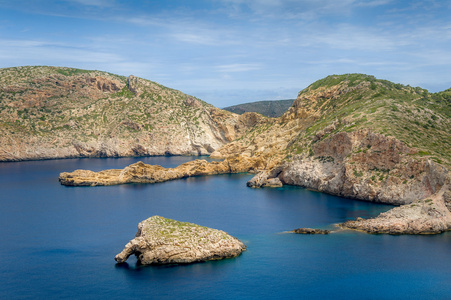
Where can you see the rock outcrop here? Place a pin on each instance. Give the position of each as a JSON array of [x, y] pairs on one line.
[[311, 231], [361, 165], [165, 241], [425, 216], [143, 173], [368, 166]]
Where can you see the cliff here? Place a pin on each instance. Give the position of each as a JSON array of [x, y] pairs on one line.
[[49, 112], [354, 136], [165, 241], [367, 139]]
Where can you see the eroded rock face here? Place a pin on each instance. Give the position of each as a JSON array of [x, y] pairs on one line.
[[425, 216], [368, 166], [165, 241], [361, 165], [143, 173]]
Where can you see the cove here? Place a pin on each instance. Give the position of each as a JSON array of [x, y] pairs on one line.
[[60, 242]]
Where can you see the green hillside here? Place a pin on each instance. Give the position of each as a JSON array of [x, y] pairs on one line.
[[355, 101]]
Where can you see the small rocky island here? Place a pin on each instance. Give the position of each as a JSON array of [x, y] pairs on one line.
[[165, 241], [311, 231]]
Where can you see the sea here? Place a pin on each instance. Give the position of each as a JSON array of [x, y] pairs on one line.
[[59, 242]]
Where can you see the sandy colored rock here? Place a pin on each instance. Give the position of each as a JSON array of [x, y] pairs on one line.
[[426, 216], [143, 173], [165, 241]]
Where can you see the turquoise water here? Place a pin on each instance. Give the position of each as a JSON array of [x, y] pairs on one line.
[[60, 242]]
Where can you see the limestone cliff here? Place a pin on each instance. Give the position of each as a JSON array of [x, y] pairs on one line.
[[49, 112], [366, 139], [350, 135], [423, 216], [165, 241]]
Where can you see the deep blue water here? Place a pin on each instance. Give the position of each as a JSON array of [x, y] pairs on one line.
[[60, 242]]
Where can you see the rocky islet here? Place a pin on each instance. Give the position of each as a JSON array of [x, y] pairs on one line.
[[165, 241]]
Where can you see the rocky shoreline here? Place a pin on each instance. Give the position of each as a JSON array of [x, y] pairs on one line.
[[143, 173], [420, 216], [348, 135]]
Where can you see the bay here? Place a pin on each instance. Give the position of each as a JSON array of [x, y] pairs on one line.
[[59, 242]]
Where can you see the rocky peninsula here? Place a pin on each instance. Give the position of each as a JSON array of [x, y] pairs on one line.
[[349, 135], [143, 173], [165, 241]]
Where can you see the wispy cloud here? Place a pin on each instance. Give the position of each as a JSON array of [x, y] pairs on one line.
[[238, 68], [196, 39], [98, 3], [233, 44], [42, 52], [373, 3], [350, 37]]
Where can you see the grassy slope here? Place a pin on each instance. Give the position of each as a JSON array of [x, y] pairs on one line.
[[66, 106], [412, 115]]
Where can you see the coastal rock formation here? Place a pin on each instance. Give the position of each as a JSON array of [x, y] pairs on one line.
[[349, 135], [143, 173], [368, 166], [426, 216], [362, 165], [311, 231], [165, 241], [49, 112]]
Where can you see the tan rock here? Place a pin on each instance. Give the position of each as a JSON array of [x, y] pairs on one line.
[[165, 241], [142, 173]]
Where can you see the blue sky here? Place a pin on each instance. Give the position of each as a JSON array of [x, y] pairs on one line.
[[233, 51]]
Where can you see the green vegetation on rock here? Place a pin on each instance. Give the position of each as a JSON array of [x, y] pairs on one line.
[[51, 112], [355, 101]]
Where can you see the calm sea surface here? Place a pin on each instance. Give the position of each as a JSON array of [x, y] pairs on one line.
[[59, 242]]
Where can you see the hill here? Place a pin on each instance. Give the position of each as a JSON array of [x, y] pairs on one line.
[[50, 112], [364, 138], [352, 102], [349, 135], [269, 108]]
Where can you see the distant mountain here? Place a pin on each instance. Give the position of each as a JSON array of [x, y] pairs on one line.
[[270, 108]]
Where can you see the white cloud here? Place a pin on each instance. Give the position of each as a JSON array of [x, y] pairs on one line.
[[42, 52], [195, 38], [238, 68], [373, 3], [98, 3]]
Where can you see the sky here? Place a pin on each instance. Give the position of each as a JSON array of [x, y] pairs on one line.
[[227, 52]]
